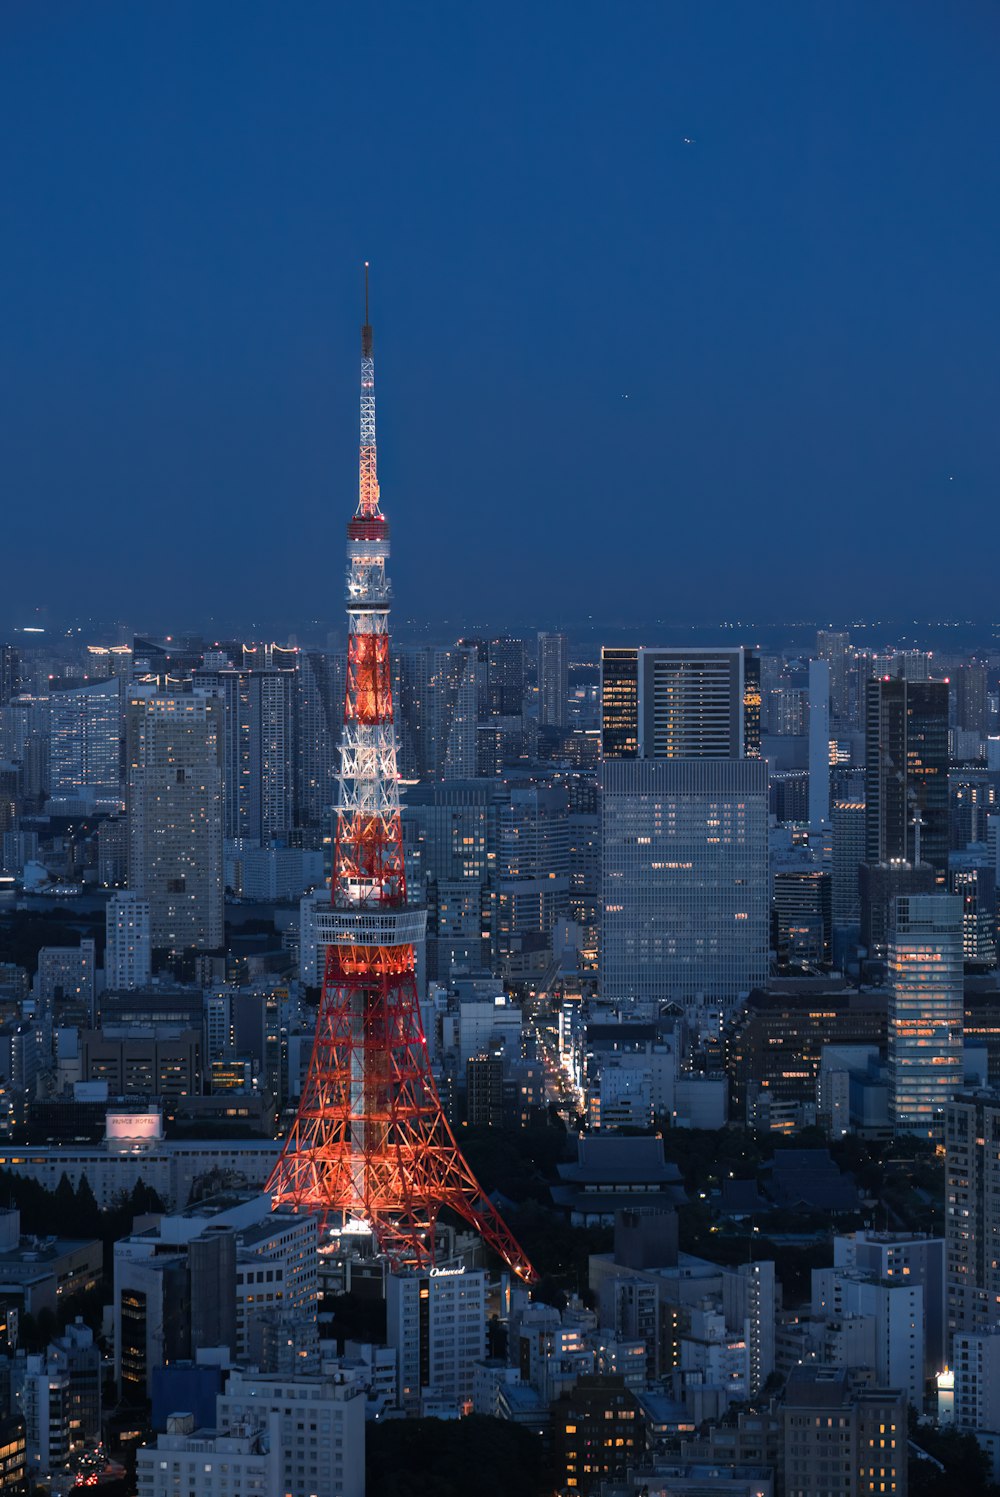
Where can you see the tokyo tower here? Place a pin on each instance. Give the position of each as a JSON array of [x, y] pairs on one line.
[[370, 1142]]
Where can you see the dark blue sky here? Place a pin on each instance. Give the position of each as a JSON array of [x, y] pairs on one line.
[[801, 307]]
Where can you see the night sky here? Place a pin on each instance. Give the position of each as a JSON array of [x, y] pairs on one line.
[[683, 311]]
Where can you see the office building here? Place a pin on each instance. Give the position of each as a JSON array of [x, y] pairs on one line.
[[684, 827], [685, 878], [436, 1323], [85, 749], [553, 680], [449, 833], [174, 747], [906, 773], [318, 713], [680, 703], [976, 886], [833, 646], [10, 673], [246, 1463], [532, 867], [128, 952], [842, 1438], [972, 1211], [925, 1011], [848, 854], [971, 699], [321, 1429], [436, 710], [803, 917]]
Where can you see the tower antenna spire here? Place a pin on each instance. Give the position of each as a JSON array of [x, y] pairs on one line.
[[366, 331]]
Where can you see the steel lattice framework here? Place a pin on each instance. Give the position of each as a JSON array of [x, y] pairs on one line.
[[370, 1141]]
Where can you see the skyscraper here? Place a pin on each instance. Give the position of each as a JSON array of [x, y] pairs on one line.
[[848, 854], [684, 827], [970, 698], [318, 718], [257, 739], [925, 1011], [437, 712], [174, 753], [906, 773], [819, 745], [553, 680], [832, 645], [10, 673], [86, 729]]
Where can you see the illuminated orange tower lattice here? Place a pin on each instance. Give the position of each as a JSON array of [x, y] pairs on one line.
[[370, 1141]]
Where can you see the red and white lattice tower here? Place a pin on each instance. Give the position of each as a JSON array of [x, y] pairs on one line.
[[370, 1142]]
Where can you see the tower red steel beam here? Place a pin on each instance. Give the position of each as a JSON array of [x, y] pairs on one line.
[[370, 1141]]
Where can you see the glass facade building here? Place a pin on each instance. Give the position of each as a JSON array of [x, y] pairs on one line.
[[925, 1011]]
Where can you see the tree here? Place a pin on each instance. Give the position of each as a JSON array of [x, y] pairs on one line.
[[452, 1458]]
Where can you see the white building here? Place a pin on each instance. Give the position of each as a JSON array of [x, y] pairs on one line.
[[277, 1268], [44, 1399], [128, 956], [976, 1365], [896, 1313], [245, 1463], [436, 1322], [321, 1429], [135, 1150], [903, 1257]]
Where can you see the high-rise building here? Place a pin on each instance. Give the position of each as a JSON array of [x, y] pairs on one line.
[[318, 719], [819, 745], [449, 833], [680, 703], [848, 855], [257, 751], [174, 752], [553, 680], [906, 773], [436, 1322], [532, 889], [972, 1211], [803, 917], [976, 886], [86, 729], [925, 1011], [437, 712], [684, 827], [128, 952], [10, 673], [970, 699], [833, 645], [685, 879]]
